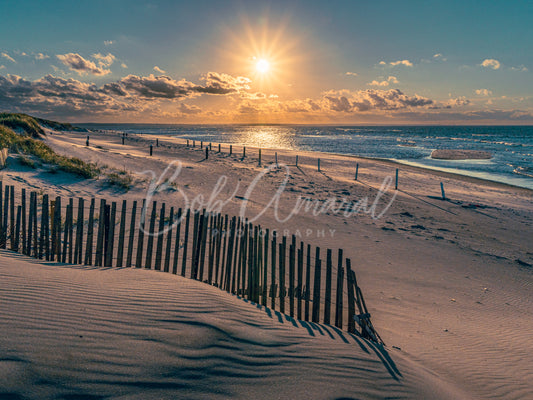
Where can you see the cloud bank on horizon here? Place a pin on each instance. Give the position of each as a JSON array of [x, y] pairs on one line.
[[165, 64]]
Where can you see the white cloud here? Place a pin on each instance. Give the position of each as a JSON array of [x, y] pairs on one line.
[[2, 66], [7, 56], [389, 80], [491, 63], [382, 63], [161, 71], [483, 92], [521, 68], [351, 73], [41, 56], [108, 42], [79, 64], [123, 65], [439, 56], [104, 61], [407, 63]]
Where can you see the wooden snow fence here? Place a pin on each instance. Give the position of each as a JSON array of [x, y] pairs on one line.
[[258, 264]]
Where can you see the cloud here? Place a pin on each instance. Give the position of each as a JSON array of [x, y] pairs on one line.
[[520, 68], [382, 63], [483, 92], [491, 63], [8, 57], [371, 100], [407, 63], [439, 56], [389, 80], [351, 73], [157, 69], [79, 64], [41, 56], [185, 109], [123, 65], [104, 61], [2, 66], [108, 42], [220, 83]]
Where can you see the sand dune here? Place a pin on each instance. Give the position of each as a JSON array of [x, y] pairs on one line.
[[87, 333]]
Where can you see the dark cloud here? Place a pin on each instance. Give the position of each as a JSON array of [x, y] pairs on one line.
[[217, 83], [79, 64], [369, 100], [162, 87]]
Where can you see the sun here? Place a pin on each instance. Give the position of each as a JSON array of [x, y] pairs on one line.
[[262, 66]]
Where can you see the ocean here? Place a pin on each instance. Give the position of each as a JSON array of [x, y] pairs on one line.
[[511, 146]]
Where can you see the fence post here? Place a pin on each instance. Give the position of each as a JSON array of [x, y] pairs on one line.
[[23, 221], [185, 241], [318, 162], [327, 296], [266, 239], [442, 191], [160, 237], [296, 159], [78, 248], [151, 149], [100, 234], [17, 229], [351, 297], [300, 262], [316, 287], [226, 275], [121, 234], [230, 149], [307, 282], [44, 238], [166, 267], [259, 157], [151, 232], [282, 290], [273, 272], [356, 170], [177, 242], [219, 147], [70, 230], [12, 217], [339, 293], [6, 214], [204, 242], [140, 238], [90, 234], [292, 250], [131, 238], [2, 226], [29, 237], [396, 184]]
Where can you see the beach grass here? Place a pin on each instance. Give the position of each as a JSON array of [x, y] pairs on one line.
[[28, 145]]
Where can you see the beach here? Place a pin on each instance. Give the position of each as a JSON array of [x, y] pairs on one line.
[[447, 281]]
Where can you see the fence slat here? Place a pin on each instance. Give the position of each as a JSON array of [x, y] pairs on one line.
[[273, 258], [168, 248], [121, 234], [151, 233], [23, 231], [111, 234], [78, 249], [100, 234], [316, 287], [160, 237], [90, 234], [131, 237], [299, 292], [70, 230], [185, 242], [351, 297], [340, 289], [140, 236], [327, 295]]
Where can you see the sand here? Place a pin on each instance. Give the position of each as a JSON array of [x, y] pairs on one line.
[[455, 154], [448, 282]]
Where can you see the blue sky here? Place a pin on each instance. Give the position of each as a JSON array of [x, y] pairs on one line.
[[329, 62]]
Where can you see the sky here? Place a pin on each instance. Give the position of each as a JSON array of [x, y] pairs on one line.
[[289, 62]]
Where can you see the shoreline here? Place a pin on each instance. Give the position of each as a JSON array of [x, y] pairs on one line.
[[462, 175]]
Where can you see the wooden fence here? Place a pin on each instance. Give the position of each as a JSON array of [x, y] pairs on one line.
[[279, 272]]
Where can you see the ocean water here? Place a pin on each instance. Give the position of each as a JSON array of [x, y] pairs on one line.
[[511, 146]]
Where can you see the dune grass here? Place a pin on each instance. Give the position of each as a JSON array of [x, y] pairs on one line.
[[23, 123], [30, 146]]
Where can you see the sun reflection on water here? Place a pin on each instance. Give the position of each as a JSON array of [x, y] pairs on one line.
[[279, 137]]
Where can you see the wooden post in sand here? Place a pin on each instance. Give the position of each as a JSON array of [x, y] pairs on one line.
[[259, 157], [351, 297], [177, 242], [219, 147], [151, 149], [327, 296], [292, 269], [356, 170], [140, 238], [151, 233], [1, 215], [90, 234], [160, 237], [442, 191], [78, 248], [243, 152], [187, 142], [194, 143], [185, 242], [5, 218], [282, 290], [34, 222], [156, 142], [201, 145], [12, 215], [100, 235], [307, 282], [273, 273], [318, 162], [339, 292], [296, 159], [17, 230], [396, 184], [207, 153], [44, 239], [316, 287], [121, 234], [131, 238], [276, 159], [27, 249], [87, 141], [166, 266], [22, 243], [299, 292], [265, 268]]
